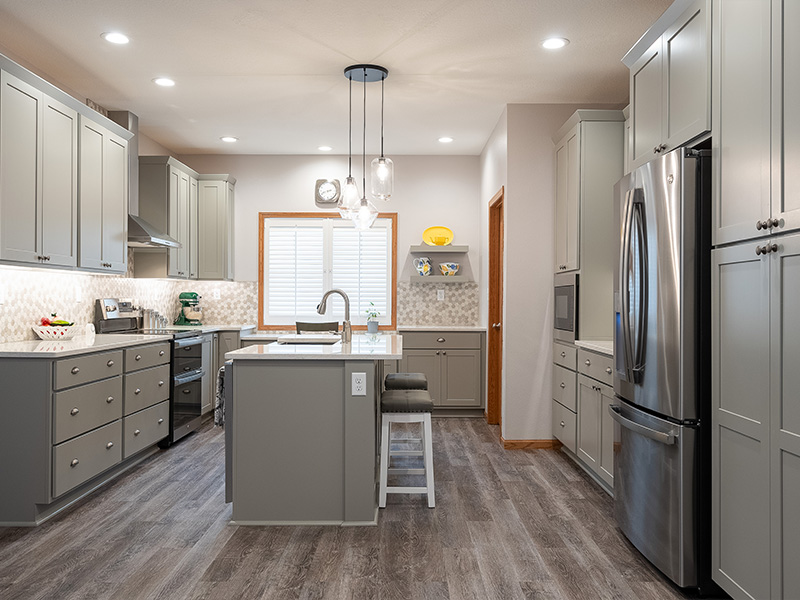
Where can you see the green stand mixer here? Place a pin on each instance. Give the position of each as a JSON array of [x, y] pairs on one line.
[[190, 313]]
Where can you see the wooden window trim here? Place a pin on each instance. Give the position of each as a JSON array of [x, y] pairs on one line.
[[320, 215]]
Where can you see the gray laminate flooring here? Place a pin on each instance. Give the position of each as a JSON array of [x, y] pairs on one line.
[[507, 525]]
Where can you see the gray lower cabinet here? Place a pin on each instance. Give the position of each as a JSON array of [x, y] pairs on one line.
[[565, 395], [453, 362], [66, 423], [209, 374], [756, 418]]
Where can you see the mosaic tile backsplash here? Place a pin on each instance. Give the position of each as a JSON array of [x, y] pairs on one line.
[[26, 295]]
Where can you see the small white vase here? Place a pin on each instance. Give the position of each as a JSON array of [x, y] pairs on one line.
[[372, 327]]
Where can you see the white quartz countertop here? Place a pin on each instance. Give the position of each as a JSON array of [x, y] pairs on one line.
[[602, 346], [210, 328], [363, 347], [442, 328], [80, 344]]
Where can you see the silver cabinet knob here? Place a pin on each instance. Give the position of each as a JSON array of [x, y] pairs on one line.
[[110, 399], [160, 421], [444, 352], [440, 340], [110, 363], [75, 370], [137, 391], [563, 355], [136, 432], [437, 353], [774, 222], [138, 357], [761, 225], [759, 250], [188, 391], [608, 370], [160, 383], [74, 462], [563, 385], [109, 445], [588, 363], [161, 353], [772, 248], [74, 411], [563, 424]]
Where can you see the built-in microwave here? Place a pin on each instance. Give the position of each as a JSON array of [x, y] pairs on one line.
[[565, 313]]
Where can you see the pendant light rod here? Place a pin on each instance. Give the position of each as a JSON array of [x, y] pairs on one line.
[[364, 139], [350, 133], [382, 80]]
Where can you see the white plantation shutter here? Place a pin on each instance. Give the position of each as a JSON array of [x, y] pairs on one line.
[[305, 257]]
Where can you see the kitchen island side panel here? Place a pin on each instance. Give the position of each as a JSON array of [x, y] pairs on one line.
[[289, 441], [360, 442]]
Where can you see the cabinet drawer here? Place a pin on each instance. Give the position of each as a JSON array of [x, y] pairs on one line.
[[81, 409], [596, 366], [83, 369], [145, 428], [442, 339], [564, 387], [564, 425], [144, 357], [145, 388], [564, 355], [82, 458]]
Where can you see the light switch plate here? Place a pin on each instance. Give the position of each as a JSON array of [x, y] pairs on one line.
[[215, 294]]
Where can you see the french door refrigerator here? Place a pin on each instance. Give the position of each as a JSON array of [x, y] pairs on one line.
[[662, 493]]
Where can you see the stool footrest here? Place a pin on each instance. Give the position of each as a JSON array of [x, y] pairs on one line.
[[406, 453], [406, 490], [399, 471]]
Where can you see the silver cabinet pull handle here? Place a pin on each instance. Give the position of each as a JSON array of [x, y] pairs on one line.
[[74, 462], [437, 353], [775, 223], [563, 385], [138, 357], [74, 411], [136, 432], [440, 340], [608, 370], [109, 445], [110, 363], [759, 250], [137, 391], [110, 399], [75, 370], [160, 421]]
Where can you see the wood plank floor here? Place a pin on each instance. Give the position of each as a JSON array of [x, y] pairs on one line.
[[519, 524]]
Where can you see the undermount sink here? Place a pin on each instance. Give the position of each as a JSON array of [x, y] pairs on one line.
[[309, 338]]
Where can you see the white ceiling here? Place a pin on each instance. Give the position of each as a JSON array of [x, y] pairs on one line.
[[270, 72]]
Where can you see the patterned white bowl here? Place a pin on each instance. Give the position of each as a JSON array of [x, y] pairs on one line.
[[55, 332]]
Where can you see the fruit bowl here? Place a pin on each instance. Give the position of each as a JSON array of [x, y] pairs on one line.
[[55, 332]]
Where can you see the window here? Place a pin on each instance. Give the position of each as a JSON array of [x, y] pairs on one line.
[[302, 255]]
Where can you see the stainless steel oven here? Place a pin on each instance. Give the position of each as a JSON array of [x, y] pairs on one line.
[[565, 307], [187, 375]]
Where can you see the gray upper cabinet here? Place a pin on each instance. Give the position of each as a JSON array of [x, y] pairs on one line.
[[215, 226], [670, 85], [103, 201], [168, 198], [567, 201], [38, 176], [756, 130]]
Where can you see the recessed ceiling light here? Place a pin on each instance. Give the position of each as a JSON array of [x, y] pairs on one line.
[[324, 148], [164, 81], [555, 43], [445, 139], [116, 37], [229, 138]]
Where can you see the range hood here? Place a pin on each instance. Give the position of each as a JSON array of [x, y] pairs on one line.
[[142, 234]]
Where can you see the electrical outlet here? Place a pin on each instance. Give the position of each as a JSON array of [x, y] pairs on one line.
[[359, 384], [440, 295], [215, 294]]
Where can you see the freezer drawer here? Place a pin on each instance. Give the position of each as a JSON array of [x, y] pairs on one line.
[[655, 491]]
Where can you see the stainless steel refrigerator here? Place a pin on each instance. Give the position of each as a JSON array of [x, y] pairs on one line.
[[662, 357]]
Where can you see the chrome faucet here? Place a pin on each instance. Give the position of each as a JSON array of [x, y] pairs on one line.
[[347, 334]]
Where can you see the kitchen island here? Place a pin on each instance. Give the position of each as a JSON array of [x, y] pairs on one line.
[[301, 429]]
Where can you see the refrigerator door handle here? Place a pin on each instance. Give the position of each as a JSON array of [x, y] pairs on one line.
[[659, 436], [641, 315], [624, 266]]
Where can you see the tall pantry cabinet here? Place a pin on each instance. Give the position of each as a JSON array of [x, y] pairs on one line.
[[755, 291]]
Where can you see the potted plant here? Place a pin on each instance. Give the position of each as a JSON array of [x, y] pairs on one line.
[[372, 318]]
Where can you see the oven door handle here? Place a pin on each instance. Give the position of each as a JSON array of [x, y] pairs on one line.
[[193, 341], [189, 377]]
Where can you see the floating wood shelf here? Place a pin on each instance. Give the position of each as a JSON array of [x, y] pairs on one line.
[[425, 249]]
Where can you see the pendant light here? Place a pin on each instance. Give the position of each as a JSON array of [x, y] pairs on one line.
[[363, 213], [382, 168], [348, 200]]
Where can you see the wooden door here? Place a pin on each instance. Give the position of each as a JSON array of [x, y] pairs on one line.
[[494, 379]]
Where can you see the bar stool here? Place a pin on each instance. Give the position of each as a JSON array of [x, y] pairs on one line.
[[406, 400]]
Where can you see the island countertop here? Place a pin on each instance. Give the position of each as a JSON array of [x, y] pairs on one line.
[[363, 347]]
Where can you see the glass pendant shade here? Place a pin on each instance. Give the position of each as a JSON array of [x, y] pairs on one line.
[[366, 214], [349, 200], [382, 178]]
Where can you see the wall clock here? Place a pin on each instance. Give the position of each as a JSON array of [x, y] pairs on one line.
[[327, 193]]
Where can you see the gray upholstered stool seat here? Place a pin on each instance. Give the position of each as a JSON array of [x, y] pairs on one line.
[[406, 400], [406, 381]]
